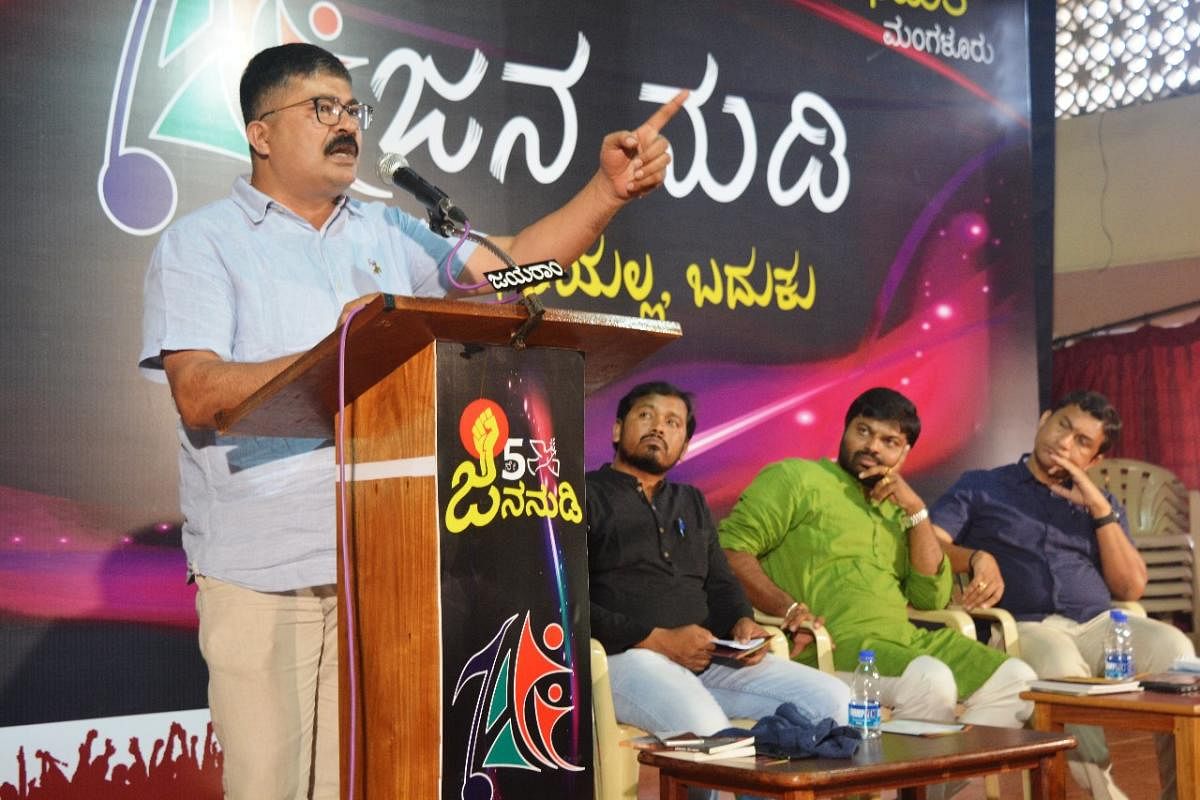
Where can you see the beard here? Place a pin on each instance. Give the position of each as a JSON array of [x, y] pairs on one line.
[[652, 462], [847, 461]]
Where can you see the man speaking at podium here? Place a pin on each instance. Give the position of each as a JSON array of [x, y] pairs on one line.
[[235, 292]]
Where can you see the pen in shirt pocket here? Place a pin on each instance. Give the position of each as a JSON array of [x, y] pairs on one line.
[[680, 527]]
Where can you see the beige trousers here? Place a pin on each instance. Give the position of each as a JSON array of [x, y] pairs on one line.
[[272, 688], [926, 690]]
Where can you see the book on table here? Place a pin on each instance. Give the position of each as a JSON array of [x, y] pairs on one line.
[[1085, 686], [676, 738], [692, 755], [686, 741]]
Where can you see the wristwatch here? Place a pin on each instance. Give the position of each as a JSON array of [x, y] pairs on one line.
[[1100, 522], [916, 518]]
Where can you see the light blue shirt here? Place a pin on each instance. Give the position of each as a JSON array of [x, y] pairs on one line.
[[250, 280]]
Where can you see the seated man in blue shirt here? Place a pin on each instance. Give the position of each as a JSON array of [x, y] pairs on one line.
[[661, 589], [1041, 540]]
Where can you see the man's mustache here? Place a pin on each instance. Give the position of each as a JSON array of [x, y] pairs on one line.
[[343, 143]]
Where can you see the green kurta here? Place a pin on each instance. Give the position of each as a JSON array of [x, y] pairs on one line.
[[822, 541]]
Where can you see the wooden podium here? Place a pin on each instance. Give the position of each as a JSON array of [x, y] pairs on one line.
[[466, 547]]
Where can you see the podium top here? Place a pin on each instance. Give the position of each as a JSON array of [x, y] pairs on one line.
[[301, 401]]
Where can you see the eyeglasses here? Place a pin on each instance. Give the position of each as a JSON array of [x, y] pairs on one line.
[[329, 111]]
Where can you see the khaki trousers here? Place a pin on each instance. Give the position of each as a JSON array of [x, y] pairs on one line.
[[272, 688]]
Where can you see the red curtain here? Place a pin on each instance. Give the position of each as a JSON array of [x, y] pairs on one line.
[[1152, 376]]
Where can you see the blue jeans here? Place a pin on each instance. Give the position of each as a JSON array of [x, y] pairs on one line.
[[654, 693]]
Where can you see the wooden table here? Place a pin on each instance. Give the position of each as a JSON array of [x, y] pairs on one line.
[[907, 763], [1158, 712]]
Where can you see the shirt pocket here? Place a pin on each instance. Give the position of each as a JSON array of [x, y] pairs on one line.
[[688, 558]]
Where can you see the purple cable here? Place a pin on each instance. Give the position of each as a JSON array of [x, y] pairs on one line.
[[469, 287], [347, 576]]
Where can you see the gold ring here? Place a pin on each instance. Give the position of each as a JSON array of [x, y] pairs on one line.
[[983, 584]]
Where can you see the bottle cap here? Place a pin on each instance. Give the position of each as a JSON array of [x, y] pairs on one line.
[[866, 655], [1118, 615]]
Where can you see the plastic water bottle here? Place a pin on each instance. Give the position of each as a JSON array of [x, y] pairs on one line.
[[864, 696], [1118, 647]]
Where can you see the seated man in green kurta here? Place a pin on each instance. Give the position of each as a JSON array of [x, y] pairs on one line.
[[850, 542]]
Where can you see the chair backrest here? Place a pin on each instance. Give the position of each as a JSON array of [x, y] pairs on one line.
[[611, 766], [1164, 520]]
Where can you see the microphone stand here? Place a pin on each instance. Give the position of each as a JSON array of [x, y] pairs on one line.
[[442, 223]]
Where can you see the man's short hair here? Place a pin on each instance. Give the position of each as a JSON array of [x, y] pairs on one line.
[[1098, 406], [888, 405], [660, 388], [272, 68]]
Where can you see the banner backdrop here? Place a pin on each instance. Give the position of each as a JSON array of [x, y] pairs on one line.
[[849, 205], [513, 574]]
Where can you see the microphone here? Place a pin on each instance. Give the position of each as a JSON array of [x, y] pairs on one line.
[[444, 217]]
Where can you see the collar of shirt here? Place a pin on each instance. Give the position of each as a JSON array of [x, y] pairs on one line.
[[256, 204], [1021, 476], [607, 472], [1023, 471]]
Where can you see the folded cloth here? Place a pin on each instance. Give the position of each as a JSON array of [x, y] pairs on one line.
[[789, 733]]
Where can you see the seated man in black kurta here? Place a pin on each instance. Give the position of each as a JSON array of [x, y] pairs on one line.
[[662, 591]]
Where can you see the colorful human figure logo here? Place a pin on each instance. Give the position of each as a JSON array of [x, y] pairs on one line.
[[522, 698]]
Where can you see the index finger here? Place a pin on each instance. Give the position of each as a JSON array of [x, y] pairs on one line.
[[659, 119], [878, 469], [1065, 463], [1077, 473]]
